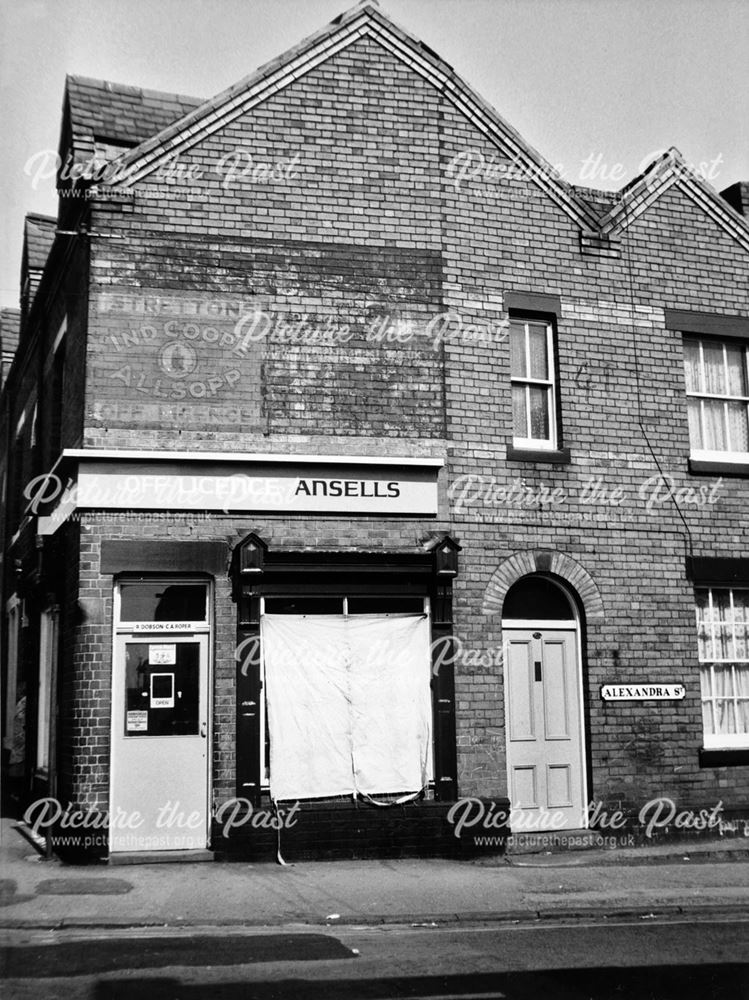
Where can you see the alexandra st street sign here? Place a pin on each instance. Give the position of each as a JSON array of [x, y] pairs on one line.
[[642, 692]]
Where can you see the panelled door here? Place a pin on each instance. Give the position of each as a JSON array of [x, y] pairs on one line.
[[544, 728], [159, 793]]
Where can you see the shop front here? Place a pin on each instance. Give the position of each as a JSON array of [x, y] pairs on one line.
[[254, 674]]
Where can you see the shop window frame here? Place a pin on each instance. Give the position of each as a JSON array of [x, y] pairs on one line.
[[283, 572]]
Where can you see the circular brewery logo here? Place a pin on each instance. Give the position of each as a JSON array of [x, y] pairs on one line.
[[178, 360]]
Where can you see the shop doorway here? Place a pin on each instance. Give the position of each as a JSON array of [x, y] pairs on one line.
[[160, 717], [544, 707]]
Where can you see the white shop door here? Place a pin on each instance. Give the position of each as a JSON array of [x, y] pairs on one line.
[[159, 785]]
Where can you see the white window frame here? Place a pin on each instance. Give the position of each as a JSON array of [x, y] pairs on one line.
[[721, 741], [48, 633], [704, 454], [535, 444]]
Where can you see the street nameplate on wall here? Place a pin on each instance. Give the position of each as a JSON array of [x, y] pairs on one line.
[[642, 692]]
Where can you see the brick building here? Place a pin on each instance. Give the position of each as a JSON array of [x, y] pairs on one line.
[[356, 459]]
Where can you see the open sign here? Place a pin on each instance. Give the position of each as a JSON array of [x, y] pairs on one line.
[[162, 690]]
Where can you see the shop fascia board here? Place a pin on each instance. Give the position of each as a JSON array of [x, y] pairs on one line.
[[84, 470]]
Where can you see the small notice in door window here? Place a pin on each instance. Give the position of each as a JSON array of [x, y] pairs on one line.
[[163, 655], [137, 722], [162, 690]]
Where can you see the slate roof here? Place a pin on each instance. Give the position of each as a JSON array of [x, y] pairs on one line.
[[115, 111], [39, 235], [10, 325], [737, 196]]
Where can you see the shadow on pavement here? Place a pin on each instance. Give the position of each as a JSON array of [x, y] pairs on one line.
[[82, 958], [661, 982]]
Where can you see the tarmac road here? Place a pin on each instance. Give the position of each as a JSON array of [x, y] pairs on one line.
[[615, 959]]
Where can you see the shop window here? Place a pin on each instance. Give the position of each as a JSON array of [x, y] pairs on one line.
[[716, 373], [349, 704], [303, 605], [532, 376], [385, 605], [344, 605], [723, 643], [334, 609], [336, 678]]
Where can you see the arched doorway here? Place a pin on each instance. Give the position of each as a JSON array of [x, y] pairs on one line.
[[543, 706]]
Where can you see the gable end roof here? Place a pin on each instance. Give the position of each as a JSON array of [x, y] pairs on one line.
[[672, 170], [364, 20]]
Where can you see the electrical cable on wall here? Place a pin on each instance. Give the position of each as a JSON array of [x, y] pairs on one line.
[[641, 425]]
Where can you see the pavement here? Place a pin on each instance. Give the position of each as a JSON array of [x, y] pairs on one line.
[[703, 877]]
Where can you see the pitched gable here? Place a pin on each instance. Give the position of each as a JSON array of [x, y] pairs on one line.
[[363, 21], [671, 170]]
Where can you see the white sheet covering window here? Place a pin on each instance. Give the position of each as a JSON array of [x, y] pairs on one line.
[[349, 704]]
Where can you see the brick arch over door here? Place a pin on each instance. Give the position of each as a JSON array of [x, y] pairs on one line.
[[520, 564]]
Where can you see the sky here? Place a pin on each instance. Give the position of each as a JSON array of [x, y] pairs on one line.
[[598, 87]]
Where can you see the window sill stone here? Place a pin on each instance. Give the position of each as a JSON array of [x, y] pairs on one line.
[[558, 456], [728, 757], [701, 466]]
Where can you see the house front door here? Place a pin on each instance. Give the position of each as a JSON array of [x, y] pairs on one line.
[[545, 752]]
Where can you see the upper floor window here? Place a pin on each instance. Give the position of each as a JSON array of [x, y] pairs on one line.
[[533, 388], [717, 381], [723, 642]]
